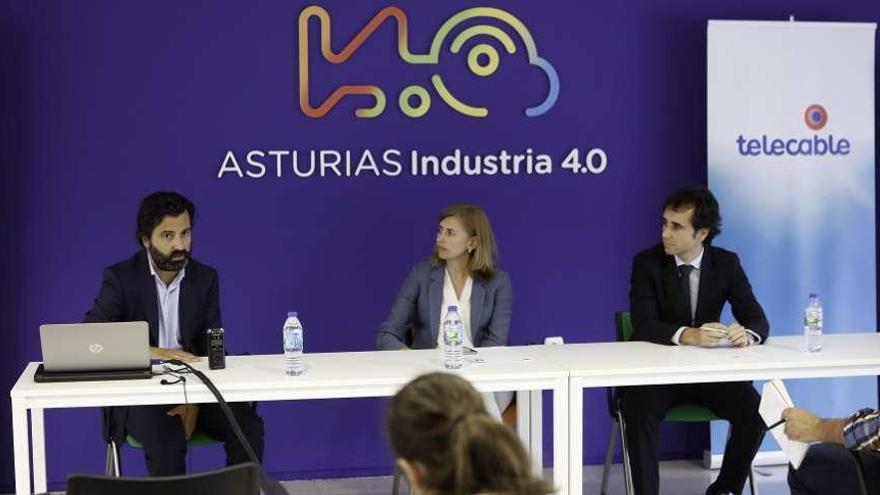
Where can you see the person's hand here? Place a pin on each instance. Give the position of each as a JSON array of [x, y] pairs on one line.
[[704, 338], [168, 354], [188, 414], [801, 425], [737, 334]]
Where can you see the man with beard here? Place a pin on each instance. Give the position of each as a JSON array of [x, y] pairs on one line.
[[180, 299]]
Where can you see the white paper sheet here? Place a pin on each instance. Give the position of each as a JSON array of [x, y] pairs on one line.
[[774, 399]]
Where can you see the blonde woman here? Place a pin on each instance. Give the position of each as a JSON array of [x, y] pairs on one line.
[[461, 272]]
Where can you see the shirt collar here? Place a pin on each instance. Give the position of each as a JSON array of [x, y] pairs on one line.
[[696, 262], [154, 274]]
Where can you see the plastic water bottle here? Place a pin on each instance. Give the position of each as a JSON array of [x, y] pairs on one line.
[[813, 324], [293, 345], [453, 334]]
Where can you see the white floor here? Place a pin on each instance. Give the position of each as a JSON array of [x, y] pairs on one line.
[[676, 478]]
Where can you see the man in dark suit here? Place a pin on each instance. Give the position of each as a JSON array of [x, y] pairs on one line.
[[180, 299], [677, 291]]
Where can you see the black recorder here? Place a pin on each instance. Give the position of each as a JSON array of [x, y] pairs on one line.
[[216, 349]]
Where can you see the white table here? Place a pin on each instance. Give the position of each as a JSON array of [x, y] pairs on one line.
[[640, 363], [566, 370], [328, 376]]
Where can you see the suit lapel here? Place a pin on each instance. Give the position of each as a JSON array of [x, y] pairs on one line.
[[435, 299], [148, 295], [478, 295], [186, 304]]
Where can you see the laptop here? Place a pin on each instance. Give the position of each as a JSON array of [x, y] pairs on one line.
[[94, 351]]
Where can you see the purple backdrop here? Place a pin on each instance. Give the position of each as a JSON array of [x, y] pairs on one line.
[[102, 102]]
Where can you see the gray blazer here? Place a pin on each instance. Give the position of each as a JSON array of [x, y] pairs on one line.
[[417, 308]]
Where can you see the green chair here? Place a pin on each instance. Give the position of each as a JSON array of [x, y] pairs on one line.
[[684, 413], [112, 465]]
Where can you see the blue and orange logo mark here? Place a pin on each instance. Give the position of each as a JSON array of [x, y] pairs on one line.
[[482, 59], [815, 116]]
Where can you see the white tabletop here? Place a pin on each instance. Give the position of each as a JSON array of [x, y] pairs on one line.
[[643, 363], [327, 375], [568, 368]]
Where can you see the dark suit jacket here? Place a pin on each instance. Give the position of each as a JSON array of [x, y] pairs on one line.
[[657, 302], [417, 308], [128, 293]]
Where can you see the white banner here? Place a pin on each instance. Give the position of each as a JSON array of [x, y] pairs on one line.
[[791, 160]]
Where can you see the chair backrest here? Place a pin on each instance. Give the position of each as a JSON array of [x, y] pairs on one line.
[[241, 479], [624, 326]]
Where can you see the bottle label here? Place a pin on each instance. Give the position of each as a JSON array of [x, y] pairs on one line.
[[293, 339], [452, 333]]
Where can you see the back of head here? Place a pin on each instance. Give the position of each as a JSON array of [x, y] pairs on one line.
[[438, 424]]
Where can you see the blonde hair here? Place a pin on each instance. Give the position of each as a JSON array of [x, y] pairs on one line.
[[437, 422], [476, 224]]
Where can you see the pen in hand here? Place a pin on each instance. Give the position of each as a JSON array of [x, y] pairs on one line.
[[774, 425]]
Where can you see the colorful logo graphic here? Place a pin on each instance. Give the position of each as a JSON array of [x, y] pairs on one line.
[[816, 116], [414, 101]]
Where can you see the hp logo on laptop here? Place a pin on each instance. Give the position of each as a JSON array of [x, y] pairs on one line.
[[96, 348]]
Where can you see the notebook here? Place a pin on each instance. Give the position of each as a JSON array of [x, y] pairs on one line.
[[94, 351], [774, 399]]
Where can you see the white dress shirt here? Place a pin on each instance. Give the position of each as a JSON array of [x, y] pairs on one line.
[[695, 288], [494, 402], [464, 307], [168, 297]]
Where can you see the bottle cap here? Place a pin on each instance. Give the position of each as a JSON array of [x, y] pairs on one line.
[[814, 295], [292, 314]]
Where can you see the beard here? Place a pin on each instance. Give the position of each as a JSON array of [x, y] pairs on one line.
[[167, 263]]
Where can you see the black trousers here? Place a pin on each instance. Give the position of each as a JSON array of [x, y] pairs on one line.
[[644, 407], [164, 441], [829, 468]]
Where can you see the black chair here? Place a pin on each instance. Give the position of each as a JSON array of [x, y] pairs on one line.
[[860, 469], [683, 413], [241, 479]]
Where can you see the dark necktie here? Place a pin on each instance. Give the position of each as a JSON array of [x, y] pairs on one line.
[[684, 277]]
